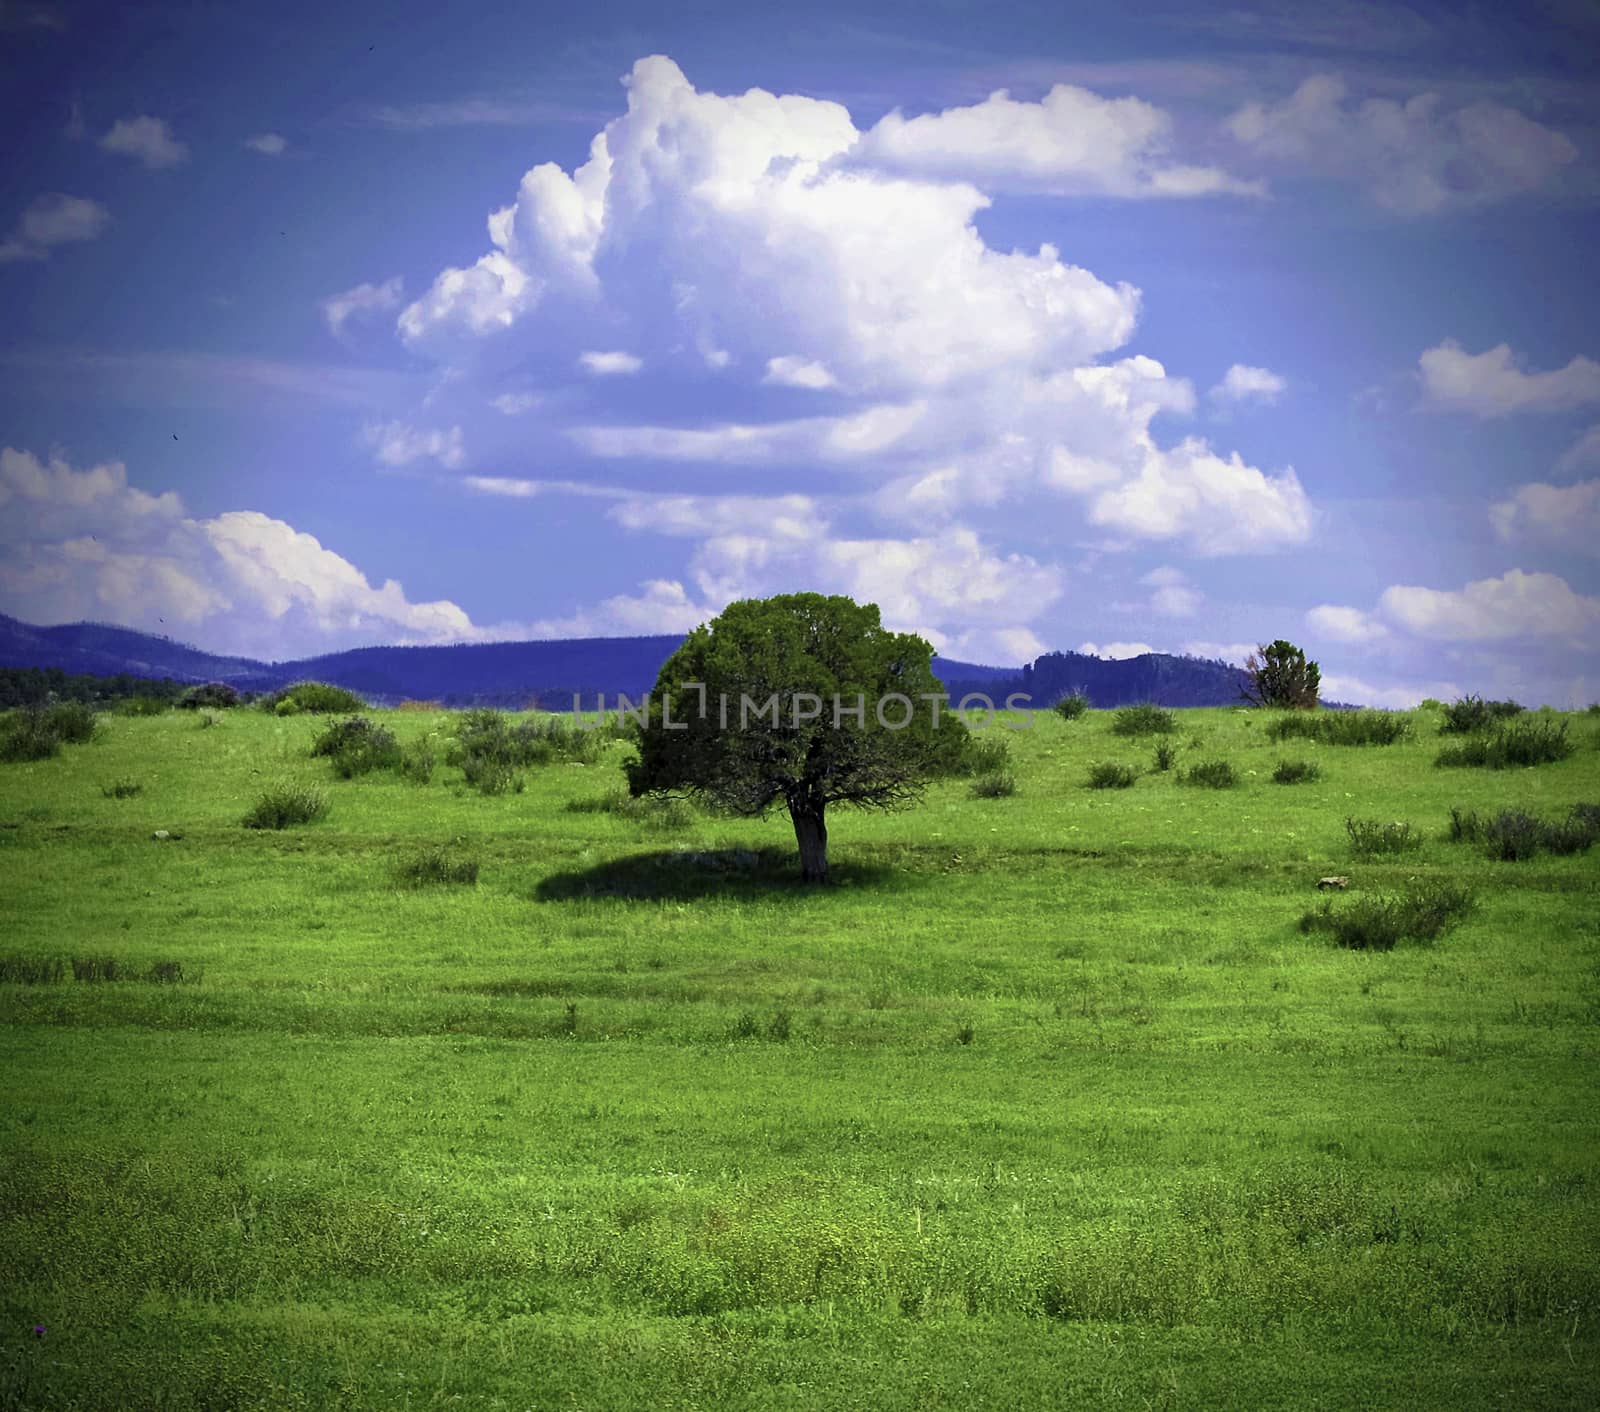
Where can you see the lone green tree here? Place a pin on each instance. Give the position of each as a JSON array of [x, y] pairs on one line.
[[1280, 676], [799, 701]]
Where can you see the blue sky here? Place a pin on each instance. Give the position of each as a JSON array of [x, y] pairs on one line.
[[1042, 326]]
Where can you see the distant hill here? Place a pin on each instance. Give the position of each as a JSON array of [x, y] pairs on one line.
[[553, 673]]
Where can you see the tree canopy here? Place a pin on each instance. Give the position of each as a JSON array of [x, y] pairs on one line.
[[1281, 676], [801, 701]]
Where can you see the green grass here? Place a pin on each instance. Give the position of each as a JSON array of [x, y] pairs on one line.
[[1047, 1102]]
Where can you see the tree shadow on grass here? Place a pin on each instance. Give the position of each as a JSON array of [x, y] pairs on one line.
[[689, 875]]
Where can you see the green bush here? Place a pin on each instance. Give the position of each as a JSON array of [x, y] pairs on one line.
[[652, 810], [122, 789], [1525, 742], [1210, 774], [986, 757], [1514, 835], [1072, 706], [1472, 713], [998, 785], [357, 747], [317, 697], [25, 736], [1166, 755], [1423, 912], [1373, 838], [1144, 719], [438, 866], [1342, 727], [417, 762], [286, 804], [213, 696], [71, 722], [1296, 772], [142, 706], [1111, 774], [490, 749]]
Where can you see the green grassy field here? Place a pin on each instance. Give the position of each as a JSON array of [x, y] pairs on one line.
[[1047, 1102]]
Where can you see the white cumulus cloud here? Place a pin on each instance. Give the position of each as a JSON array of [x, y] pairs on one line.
[[610, 364], [1115, 651], [1412, 157], [798, 372], [1071, 142], [84, 544], [145, 139], [397, 444], [1516, 605], [1242, 383], [364, 299], [1490, 384], [1566, 515], [51, 220], [1341, 624]]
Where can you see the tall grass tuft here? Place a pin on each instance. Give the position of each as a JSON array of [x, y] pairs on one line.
[[1111, 774], [1373, 838], [1072, 706], [357, 746], [1472, 713], [434, 866], [1514, 835], [1143, 719], [998, 785], [285, 805], [1296, 772], [1210, 774], [653, 811], [1423, 912], [1525, 742], [1342, 727]]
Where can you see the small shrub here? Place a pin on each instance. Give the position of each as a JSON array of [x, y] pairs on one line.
[[287, 707], [1373, 838], [1342, 727], [285, 805], [1472, 713], [417, 762], [986, 757], [435, 866], [165, 973], [317, 697], [965, 1034], [142, 706], [1166, 755], [72, 722], [357, 747], [746, 1026], [99, 968], [30, 970], [24, 736], [996, 786], [1071, 707], [1144, 719], [1513, 835], [1111, 774], [654, 811], [1423, 912], [1296, 772], [778, 1027], [1522, 743], [1210, 774], [213, 696], [122, 789], [491, 776]]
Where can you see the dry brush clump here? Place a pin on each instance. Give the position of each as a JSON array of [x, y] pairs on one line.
[[1522, 743], [1514, 835], [1421, 912], [285, 805]]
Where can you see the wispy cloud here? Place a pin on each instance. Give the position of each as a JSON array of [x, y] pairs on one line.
[[145, 139], [51, 220], [268, 144]]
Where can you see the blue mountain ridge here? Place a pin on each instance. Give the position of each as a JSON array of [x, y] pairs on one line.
[[554, 673]]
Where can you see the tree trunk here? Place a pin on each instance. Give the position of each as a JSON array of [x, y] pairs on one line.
[[812, 836]]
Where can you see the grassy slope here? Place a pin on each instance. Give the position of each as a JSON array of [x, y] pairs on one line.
[[1049, 1101]]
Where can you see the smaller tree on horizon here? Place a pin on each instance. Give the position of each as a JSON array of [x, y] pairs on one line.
[[1281, 677], [798, 701]]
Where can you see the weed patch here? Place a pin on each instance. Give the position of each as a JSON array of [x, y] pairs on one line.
[[1210, 774], [1144, 719], [1528, 742], [1342, 727], [1373, 838], [999, 785], [1514, 835], [437, 866], [1111, 774], [1472, 714], [1421, 913], [357, 747], [285, 805], [122, 789], [1071, 707], [1296, 772]]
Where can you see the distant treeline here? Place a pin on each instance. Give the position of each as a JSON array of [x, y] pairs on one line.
[[34, 686]]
